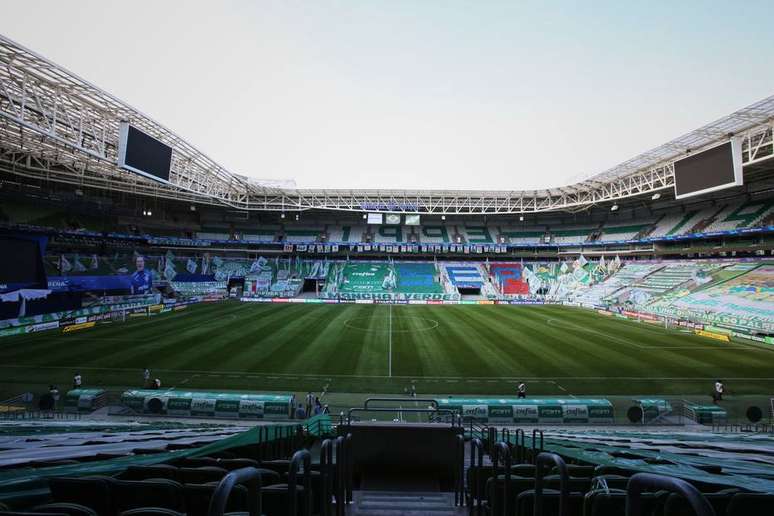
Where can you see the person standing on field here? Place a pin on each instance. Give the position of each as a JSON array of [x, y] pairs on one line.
[[521, 390], [77, 381], [146, 378], [309, 402], [719, 389], [54, 392]]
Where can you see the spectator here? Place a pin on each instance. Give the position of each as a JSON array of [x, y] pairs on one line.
[[54, 392], [521, 390], [719, 389], [309, 402], [325, 409], [77, 381], [317, 406], [300, 412], [146, 378]]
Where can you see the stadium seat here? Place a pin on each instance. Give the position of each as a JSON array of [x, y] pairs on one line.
[[525, 503], [131, 494], [676, 505], [198, 496], [71, 509], [151, 511], [202, 475], [276, 499], [612, 502], [91, 492], [151, 471], [747, 504]]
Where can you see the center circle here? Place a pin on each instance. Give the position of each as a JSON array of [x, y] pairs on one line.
[[367, 324]]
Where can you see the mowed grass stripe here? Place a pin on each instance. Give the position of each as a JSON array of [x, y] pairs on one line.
[[351, 341]]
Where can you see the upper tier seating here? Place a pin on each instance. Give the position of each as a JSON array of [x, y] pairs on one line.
[[303, 234], [629, 232], [571, 236]]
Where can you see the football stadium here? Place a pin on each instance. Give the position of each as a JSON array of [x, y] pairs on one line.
[[180, 338]]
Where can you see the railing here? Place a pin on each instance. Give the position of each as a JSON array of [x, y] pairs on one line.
[[476, 463], [551, 459], [501, 451], [641, 482], [249, 476], [39, 415], [327, 473], [301, 457], [459, 474], [535, 433]]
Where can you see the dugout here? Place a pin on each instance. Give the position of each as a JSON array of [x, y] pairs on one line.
[[214, 404], [531, 410]]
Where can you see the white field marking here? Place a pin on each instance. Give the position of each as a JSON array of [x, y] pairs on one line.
[[253, 374], [569, 325], [563, 389], [389, 353]]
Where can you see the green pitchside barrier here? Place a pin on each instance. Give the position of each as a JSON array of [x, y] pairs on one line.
[[210, 404], [653, 408], [706, 414], [84, 400], [531, 410]]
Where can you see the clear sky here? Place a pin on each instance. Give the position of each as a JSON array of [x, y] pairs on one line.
[[415, 94]]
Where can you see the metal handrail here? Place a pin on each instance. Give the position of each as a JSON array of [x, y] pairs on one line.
[[305, 458], [452, 413], [551, 459], [432, 402], [648, 481], [535, 433], [501, 451], [520, 448], [340, 476], [326, 470], [348, 466], [249, 476], [476, 452], [459, 490]]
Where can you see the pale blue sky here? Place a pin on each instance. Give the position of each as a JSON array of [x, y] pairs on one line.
[[398, 94]]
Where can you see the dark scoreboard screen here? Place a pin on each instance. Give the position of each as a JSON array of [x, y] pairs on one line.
[[143, 154], [713, 169]]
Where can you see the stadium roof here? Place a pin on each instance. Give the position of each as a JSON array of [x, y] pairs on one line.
[[56, 126]]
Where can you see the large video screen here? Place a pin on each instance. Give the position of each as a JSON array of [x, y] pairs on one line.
[[143, 154], [714, 169]]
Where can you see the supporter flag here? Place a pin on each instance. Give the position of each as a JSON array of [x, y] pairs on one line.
[[94, 261], [190, 266], [582, 261], [255, 267], [564, 268], [77, 265], [64, 264], [169, 268], [602, 265]]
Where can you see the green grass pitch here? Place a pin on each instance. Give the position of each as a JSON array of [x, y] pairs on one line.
[[461, 349]]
